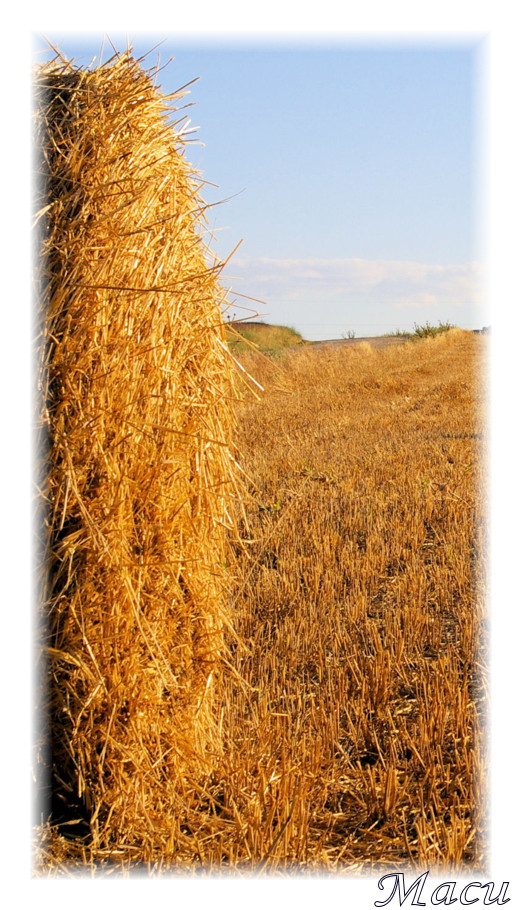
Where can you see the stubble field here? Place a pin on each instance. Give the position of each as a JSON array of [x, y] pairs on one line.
[[358, 737]]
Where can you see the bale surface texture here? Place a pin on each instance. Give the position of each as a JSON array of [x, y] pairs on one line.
[[139, 481]]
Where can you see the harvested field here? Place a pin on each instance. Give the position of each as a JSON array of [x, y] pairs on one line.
[[363, 607], [352, 719]]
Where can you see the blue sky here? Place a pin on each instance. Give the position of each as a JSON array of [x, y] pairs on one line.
[[352, 172]]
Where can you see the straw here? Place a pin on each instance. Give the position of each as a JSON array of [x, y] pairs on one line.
[[138, 474]]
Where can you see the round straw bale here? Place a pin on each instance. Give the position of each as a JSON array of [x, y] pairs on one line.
[[136, 424]]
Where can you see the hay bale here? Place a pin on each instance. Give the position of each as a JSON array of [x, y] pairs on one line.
[[136, 429]]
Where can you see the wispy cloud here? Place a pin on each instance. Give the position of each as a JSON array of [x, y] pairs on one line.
[[324, 297], [397, 283]]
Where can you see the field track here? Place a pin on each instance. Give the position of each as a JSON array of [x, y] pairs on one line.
[[377, 341]]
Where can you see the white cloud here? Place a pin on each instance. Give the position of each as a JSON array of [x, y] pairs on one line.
[[324, 297], [399, 283]]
